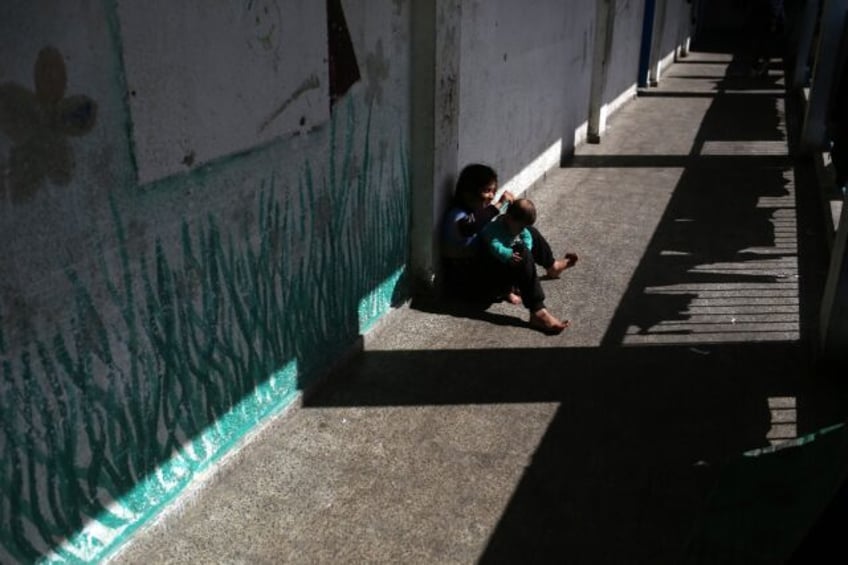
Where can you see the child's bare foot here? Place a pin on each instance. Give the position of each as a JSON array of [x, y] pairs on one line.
[[560, 265], [547, 323], [513, 298]]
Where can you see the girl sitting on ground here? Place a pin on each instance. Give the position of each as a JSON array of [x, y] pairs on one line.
[[467, 268]]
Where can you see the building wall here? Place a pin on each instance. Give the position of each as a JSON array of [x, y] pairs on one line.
[[524, 97], [525, 71], [201, 206], [675, 28], [622, 75]]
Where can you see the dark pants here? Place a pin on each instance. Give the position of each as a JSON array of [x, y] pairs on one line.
[[484, 279], [542, 254], [504, 277]]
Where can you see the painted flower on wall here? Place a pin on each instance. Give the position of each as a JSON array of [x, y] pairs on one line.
[[39, 124]]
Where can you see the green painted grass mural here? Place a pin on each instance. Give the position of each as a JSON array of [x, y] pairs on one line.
[[105, 421]]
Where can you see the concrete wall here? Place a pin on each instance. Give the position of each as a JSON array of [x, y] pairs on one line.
[[671, 31], [525, 77], [675, 29], [623, 67], [524, 83], [190, 233]]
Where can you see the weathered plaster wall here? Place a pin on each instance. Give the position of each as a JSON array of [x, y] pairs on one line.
[[160, 300], [525, 79], [281, 51], [525, 71]]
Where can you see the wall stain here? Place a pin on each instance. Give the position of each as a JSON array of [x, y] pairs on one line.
[[377, 70], [39, 123], [188, 160]]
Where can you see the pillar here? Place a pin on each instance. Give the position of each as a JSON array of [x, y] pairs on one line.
[[436, 35], [803, 30], [656, 43], [813, 131], [834, 308], [604, 29]]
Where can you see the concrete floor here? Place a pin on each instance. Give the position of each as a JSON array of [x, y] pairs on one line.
[[463, 436]]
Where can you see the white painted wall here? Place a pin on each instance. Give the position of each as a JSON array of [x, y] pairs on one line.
[[227, 77], [623, 67], [676, 28], [60, 225], [525, 77], [524, 83]]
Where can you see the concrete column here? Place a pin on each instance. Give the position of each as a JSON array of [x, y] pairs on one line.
[[683, 51], [684, 32], [834, 308], [827, 51], [604, 29], [436, 27], [803, 31], [656, 42]]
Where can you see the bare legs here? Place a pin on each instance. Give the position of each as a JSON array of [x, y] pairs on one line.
[[554, 271], [527, 290], [546, 322]]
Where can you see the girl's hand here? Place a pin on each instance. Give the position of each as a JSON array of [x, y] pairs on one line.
[[516, 258], [507, 196]]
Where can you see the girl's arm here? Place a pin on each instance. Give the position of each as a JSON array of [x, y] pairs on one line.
[[474, 222]]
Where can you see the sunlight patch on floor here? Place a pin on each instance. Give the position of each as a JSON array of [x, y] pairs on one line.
[[784, 419], [750, 296]]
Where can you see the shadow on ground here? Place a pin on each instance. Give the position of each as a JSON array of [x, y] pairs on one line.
[[634, 466], [645, 460]]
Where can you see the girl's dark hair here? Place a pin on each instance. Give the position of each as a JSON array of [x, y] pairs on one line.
[[472, 180]]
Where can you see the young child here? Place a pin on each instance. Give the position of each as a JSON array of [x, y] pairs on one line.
[[469, 273], [510, 243], [508, 236], [473, 207]]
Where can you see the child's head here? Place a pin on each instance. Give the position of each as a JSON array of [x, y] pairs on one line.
[[476, 186], [520, 214]]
